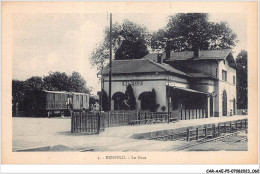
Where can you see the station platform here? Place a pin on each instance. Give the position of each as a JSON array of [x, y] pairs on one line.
[[54, 134], [148, 131]]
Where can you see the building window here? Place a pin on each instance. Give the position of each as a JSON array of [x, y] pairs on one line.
[[234, 80], [224, 75], [77, 97]]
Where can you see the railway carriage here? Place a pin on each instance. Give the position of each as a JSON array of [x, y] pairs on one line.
[[61, 102]]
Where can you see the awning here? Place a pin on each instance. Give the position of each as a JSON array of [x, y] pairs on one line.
[[188, 90]]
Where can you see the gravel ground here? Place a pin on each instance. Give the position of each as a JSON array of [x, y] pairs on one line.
[[55, 132]]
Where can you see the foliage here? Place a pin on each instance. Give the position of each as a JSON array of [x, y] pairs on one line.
[[57, 81], [131, 50], [163, 108], [242, 80], [129, 41], [129, 93], [105, 101], [31, 94], [190, 31], [92, 100], [17, 90], [153, 105], [28, 93], [17, 93], [77, 83], [148, 99], [99, 56]]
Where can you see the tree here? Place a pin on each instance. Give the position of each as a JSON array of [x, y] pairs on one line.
[[129, 41], [191, 31], [60, 81], [99, 56], [131, 101], [18, 91], [242, 82], [33, 87], [154, 106], [34, 83], [77, 83], [28, 93], [105, 101], [56, 81]]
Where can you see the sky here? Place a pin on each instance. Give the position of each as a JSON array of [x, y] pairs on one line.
[[50, 42]]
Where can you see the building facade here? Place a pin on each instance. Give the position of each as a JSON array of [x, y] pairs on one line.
[[202, 80]]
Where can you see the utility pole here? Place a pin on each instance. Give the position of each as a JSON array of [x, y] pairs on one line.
[[101, 81], [110, 62], [168, 93]]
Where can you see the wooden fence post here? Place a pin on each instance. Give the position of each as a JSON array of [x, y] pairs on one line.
[[218, 129], [197, 133], [206, 132], [188, 134], [72, 120], [98, 126], [214, 131]]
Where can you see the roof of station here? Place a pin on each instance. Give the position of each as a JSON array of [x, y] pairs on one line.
[[134, 66]]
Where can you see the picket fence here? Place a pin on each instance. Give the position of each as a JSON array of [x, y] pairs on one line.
[[94, 122]]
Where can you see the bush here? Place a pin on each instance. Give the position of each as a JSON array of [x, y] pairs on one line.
[[130, 97]]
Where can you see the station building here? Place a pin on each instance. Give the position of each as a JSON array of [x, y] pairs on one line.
[[198, 80]]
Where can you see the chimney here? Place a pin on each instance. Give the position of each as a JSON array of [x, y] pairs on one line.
[[196, 52], [159, 58]]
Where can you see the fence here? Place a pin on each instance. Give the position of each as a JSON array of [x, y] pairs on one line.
[[88, 122], [91, 122], [187, 114], [121, 118], [118, 118]]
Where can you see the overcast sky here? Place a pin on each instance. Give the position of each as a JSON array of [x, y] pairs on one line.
[[63, 42]]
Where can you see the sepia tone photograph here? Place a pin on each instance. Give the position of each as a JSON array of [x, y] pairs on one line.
[[129, 82]]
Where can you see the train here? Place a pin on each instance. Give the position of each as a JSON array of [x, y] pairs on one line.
[[62, 102]]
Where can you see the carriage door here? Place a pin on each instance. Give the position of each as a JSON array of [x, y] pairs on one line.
[[81, 101], [224, 103]]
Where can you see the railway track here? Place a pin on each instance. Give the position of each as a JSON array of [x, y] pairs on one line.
[[220, 138], [204, 134]]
